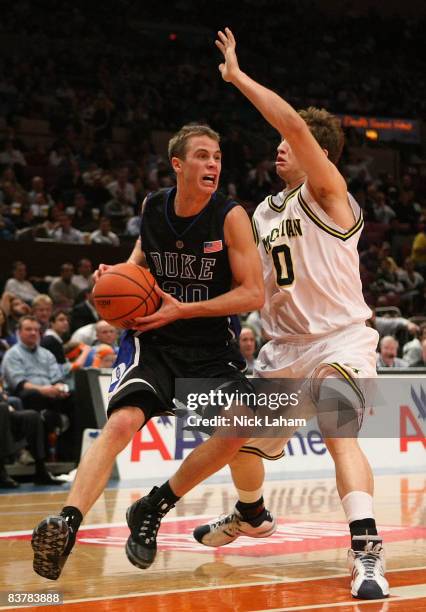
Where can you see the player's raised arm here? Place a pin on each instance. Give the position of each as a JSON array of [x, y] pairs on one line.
[[325, 181]]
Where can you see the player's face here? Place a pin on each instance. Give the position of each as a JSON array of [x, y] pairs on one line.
[[200, 170], [286, 164]]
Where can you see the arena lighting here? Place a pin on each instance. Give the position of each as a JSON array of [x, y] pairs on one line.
[[371, 134]]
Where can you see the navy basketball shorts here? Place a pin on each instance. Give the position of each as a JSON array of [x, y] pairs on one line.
[[144, 374]]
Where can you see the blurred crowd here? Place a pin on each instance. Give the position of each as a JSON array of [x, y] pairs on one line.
[[70, 69]]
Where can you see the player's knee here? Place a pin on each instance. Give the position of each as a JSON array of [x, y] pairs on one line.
[[124, 423], [341, 446]]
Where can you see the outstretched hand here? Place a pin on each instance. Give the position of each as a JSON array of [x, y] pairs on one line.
[[226, 43], [169, 311]]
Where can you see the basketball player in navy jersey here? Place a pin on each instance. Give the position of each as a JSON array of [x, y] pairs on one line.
[[314, 316], [200, 248]]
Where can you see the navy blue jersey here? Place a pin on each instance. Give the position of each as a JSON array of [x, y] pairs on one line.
[[189, 259]]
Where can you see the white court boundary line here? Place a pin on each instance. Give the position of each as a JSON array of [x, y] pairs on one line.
[[221, 587], [167, 519]]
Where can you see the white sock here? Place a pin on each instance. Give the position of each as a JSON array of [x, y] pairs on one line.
[[358, 505], [249, 497]]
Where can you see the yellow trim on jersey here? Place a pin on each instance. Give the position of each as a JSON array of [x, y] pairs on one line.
[[331, 230], [255, 231], [350, 380], [256, 451], [282, 206]]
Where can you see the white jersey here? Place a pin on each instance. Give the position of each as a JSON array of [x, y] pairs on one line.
[[310, 266]]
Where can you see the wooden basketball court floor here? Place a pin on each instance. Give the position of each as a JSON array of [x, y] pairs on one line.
[[301, 567]]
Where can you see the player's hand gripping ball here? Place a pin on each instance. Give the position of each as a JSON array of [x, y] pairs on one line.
[[124, 292]]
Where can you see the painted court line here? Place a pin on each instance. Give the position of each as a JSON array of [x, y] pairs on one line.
[[239, 585]]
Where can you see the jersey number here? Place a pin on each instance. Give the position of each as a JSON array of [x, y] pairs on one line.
[[191, 293], [283, 265]]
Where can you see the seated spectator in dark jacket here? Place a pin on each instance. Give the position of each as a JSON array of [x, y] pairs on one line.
[[53, 339], [14, 426], [84, 313], [32, 373]]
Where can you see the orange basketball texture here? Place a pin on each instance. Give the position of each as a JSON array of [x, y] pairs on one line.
[[124, 292]]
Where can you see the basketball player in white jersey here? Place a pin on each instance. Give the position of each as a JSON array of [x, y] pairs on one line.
[[314, 317]]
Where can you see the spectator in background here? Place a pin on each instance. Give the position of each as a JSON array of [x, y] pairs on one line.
[[105, 334], [53, 339], [32, 373], [83, 313], [6, 338], [19, 285], [391, 326], [122, 190], [412, 283], [14, 426], [66, 233], [382, 212], [83, 280], [133, 226], [61, 290], [421, 362], [412, 351], [247, 344], [7, 228], [104, 235], [418, 253], [387, 356], [10, 156], [14, 308], [38, 189], [104, 356], [42, 309], [82, 218]]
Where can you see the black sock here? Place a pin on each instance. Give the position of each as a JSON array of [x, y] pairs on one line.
[[364, 527], [73, 517], [250, 511], [163, 496]]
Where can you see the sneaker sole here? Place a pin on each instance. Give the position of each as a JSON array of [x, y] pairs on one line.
[[136, 561], [49, 541]]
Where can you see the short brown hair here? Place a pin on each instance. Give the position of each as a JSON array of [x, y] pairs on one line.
[[326, 129], [177, 144], [27, 318]]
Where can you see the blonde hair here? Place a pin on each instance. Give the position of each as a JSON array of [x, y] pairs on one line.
[[43, 298], [177, 144]]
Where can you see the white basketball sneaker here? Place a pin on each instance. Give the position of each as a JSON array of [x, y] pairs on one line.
[[228, 528], [367, 569]]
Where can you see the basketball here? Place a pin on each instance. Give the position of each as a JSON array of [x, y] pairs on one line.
[[124, 292]]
